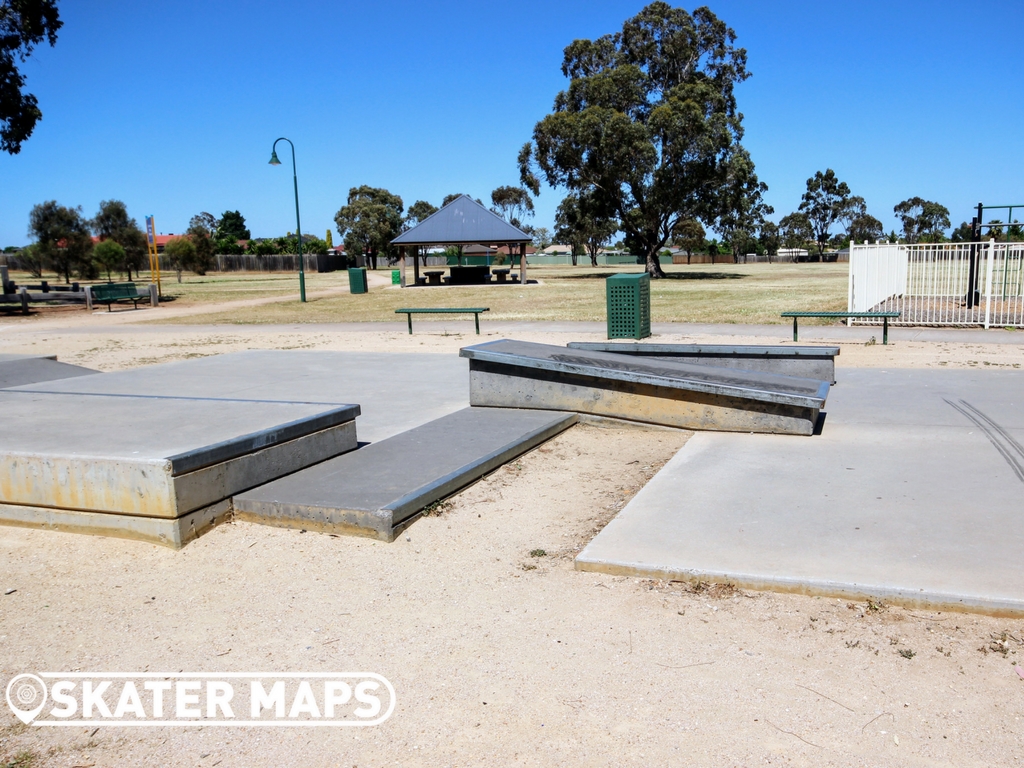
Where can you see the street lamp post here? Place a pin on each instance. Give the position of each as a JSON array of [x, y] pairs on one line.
[[298, 226]]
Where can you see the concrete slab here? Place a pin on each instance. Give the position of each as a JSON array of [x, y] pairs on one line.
[[16, 370], [808, 362], [174, 533], [396, 391], [378, 490], [912, 494], [509, 373]]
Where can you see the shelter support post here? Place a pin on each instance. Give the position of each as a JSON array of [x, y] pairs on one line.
[[416, 265], [401, 255], [522, 263]]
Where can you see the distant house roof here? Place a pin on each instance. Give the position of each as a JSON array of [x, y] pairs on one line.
[[462, 222]]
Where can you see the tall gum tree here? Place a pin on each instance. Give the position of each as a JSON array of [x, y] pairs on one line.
[[24, 24], [648, 128]]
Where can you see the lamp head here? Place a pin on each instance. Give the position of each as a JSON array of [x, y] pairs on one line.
[[273, 158]]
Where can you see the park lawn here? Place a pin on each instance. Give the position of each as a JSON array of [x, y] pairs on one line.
[[723, 293], [218, 287], [215, 287]]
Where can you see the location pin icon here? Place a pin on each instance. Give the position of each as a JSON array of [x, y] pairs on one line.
[[23, 693]]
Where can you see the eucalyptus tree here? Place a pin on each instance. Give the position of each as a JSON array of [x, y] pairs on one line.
[[648, 127], [513, 204], [689, 235], [112, 222], [24, 24], [62, 238], [370, 220], [824, 203], [922, 220], [579, 224]]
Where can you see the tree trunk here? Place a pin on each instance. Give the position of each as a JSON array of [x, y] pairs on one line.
[[654, 265]]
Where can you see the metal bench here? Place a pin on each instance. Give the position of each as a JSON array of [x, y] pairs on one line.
[[475, 311], [110, 293], [885, 316]]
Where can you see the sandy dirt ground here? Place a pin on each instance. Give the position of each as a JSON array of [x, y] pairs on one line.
[[499, 655]]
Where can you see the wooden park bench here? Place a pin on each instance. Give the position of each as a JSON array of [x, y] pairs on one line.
[[885, 316], [475, 311], [110, 293]]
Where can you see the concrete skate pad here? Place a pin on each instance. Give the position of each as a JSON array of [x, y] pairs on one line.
[[911, 494], [808, 362], [517, 374], [16, 370], [155, 453], [396, 391], [378, 490]]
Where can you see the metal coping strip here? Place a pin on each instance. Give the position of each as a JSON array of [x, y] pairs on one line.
[[596, 371]]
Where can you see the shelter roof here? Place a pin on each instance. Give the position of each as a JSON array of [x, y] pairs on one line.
[[463, 221]]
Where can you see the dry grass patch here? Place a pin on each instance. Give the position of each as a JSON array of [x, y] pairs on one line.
[[730, 293]]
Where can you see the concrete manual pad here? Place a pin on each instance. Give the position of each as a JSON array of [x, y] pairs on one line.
[[378, 490], [518, 374], [913, 494], [808, 362], [16, 370]]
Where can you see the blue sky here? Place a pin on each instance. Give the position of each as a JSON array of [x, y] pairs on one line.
[[173, 107]]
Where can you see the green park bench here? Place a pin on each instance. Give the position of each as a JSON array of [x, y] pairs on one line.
[[475, 311], [885, 316], [110, 293]]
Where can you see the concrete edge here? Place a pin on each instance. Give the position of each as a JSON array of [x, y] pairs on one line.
[[244, 444], [906, 597], [174, 533], [249, 511], [417, 500]]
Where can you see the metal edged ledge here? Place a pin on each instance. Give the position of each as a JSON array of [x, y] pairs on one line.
[[815, 362], [507, 373]]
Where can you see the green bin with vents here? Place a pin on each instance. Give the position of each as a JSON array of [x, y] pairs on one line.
[[629, 306], [357, 280]]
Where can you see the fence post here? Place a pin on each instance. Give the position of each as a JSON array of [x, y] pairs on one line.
[[990, 268], [849, 282], [23, 295]]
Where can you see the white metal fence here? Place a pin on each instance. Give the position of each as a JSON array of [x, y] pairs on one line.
[[930, 283]]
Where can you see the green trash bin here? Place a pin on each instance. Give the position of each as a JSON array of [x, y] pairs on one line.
[[357, 280], [396, 277], [629, 306]]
